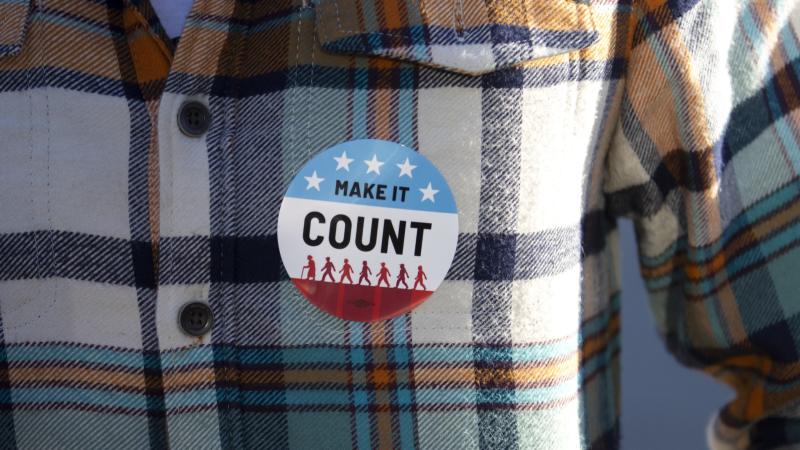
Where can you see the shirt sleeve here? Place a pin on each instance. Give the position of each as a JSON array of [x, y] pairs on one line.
[[705, 160]]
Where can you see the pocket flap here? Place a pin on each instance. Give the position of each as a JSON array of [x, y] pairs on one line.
[[13, 25], [466, 36]]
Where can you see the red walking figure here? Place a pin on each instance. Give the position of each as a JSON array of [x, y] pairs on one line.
[[327, 270], [383, 275], [365, 273], [346, 270], [312, 269], [401, 277], [420, 279]]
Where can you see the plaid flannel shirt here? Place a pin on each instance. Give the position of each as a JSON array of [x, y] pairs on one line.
[[549, 119]]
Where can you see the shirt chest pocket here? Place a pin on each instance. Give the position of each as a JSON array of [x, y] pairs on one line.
[[471, 37], [487, 91], [14, 24], [66, 264]]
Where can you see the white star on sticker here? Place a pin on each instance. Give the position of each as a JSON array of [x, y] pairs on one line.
[[343, 162], [314, 181], [374, 165], [406, 168], [428, 193]]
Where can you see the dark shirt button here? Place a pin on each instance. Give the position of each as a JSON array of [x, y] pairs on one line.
[[196, 318], [194, 118]]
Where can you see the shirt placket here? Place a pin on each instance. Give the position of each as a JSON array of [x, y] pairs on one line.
[[183, 126]]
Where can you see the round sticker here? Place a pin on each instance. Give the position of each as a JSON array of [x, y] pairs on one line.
[[367, 230]]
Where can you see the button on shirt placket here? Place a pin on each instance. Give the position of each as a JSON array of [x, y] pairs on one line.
[[196, 318], [186, 316], [194, 118]]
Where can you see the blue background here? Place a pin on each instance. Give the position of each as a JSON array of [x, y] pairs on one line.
[[664, 405]]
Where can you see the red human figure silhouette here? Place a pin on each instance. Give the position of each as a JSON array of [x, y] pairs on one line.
[[420, 279], [365, 273], [383, 275], [327, 270], [311, 267], [346, 270], [401, 277]]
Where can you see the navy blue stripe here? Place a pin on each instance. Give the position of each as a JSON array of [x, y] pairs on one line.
[[775, 432], [595, 228], [498, 257], [659, 18], [752, 117], [256, 259], [246, 260], [498, 247], [143, 269], [66, 255], [340, 78], [116, 31], [47, 76], [494, 34], [140, 228], [246, 22], [324, 77]]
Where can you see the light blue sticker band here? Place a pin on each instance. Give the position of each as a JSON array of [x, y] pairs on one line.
[[374, 172]]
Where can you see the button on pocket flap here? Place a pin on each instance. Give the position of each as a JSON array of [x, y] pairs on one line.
[[13, 25], [466, 36]]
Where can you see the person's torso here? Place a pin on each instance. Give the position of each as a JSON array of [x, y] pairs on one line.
[[112, 220]]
